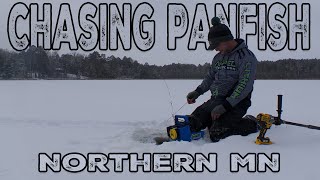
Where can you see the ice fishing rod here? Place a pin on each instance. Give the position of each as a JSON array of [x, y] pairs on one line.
[[171, 100], [171, 103], [265, 122]]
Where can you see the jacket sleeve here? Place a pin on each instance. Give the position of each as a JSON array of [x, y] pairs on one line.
[[207, 81], [247, 74]]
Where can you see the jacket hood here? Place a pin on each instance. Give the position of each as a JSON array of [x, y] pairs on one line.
[[241, 45]]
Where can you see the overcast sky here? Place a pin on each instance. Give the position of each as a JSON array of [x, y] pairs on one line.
[[159, 54]]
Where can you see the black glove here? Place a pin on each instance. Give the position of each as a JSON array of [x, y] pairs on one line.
[[192, 96], [195, 123], [218, 111]]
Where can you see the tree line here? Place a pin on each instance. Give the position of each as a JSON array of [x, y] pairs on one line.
[[36, 63]]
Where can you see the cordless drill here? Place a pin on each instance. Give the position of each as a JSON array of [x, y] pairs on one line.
[[265, 122]]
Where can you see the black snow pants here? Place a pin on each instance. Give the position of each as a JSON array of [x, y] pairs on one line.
[[229, 123]]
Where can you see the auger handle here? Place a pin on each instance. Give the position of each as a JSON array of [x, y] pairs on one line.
[[279, 121]]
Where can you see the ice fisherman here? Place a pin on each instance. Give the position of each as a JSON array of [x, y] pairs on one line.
[[230, 80]]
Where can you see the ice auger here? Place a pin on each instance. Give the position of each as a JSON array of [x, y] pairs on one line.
[[265, 122]]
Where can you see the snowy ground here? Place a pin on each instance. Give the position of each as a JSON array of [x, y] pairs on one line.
[[123, 116]]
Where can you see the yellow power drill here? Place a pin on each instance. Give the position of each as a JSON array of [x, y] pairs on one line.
[[265, 122]]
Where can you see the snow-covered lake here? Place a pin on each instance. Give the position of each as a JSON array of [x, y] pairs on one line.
[[124, 116]]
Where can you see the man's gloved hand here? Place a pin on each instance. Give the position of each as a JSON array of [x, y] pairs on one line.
[[217, 111], [192, 96]]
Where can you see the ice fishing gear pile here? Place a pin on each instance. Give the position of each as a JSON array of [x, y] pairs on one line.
[[181, 130]]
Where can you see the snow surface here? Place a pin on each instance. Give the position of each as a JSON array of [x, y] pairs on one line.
[[123, 116]]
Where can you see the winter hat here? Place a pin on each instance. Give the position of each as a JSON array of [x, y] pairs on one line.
[[218, 33]]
